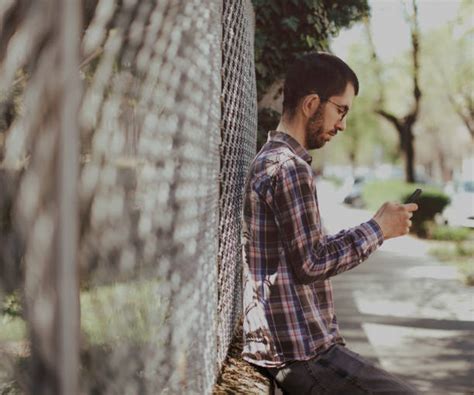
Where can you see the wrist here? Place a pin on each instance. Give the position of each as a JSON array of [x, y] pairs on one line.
[[379, 224]]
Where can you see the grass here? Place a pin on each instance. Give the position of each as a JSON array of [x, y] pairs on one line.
[[12, 329], [125, 319], [448, 233], [131, 311], [337, 181], [459, 254], [127, 311], [454, 246], [376, 193]]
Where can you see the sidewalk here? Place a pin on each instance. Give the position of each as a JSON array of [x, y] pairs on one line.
[[406, 311]]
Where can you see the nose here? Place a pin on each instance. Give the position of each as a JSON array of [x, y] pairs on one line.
[[341, 124]]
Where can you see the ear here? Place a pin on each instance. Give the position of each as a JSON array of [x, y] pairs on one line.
[[310, 104]]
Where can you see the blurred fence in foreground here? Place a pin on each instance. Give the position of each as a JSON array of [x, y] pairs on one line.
[[126, 128]]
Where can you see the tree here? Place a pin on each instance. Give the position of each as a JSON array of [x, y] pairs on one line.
[[455, 64], [285, 29], [403, 124], [366, 142], [446, 120]]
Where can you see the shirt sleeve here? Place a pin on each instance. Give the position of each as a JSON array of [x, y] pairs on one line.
[[313, 255]]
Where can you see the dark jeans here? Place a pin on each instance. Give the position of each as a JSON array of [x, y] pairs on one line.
[[337, 371]]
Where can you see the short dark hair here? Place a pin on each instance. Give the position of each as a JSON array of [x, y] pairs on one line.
[[316, 72]]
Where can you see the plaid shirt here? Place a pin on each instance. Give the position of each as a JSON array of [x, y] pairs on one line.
[[288, 259]]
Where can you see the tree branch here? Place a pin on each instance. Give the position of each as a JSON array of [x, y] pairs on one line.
[[415, 39], [376, 62], [467, 119], [391, 118]]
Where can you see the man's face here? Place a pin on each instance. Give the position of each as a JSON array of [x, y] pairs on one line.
[[328, 119]]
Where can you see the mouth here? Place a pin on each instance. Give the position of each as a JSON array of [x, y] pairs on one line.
[[333, 133]]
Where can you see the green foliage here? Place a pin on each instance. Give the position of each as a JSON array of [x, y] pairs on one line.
[[109, 314], [443, 232], [285, 29], [429, 204], [376, 193], [118, 312], [366, 129], [448, 90], [267, 120], [467, 271], [459, 254], [336, 181], [363, 142], [431, 201], [12, 305], [465, 250], [367, 140], [12, 329]]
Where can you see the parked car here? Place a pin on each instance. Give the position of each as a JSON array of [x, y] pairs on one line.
[[460, 212]]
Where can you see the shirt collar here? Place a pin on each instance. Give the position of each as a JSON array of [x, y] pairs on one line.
[[285, 138]]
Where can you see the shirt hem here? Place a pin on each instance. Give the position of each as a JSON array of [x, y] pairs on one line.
[[280, 364]]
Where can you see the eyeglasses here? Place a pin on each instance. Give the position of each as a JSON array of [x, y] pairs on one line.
[[343, 110]]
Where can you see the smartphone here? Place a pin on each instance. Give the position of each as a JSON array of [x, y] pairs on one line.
[[415, 195]]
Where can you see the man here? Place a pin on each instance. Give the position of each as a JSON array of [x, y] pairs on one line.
[[290, 327]]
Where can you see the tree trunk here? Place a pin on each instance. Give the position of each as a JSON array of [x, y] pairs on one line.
[[409, 152], [404, 125]]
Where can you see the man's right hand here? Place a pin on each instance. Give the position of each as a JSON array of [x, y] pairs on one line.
[[394, 218]]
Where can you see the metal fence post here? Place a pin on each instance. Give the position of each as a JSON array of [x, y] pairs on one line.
[[68, 170]]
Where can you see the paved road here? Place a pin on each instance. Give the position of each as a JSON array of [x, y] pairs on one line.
[[406, 311]]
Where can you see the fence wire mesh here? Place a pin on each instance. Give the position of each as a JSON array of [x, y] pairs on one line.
[[165, 132], [239, 123]]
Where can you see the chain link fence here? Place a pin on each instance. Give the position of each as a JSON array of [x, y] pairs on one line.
[[239, 125], [125, 135]]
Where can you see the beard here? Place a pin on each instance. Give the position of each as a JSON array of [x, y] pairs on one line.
[[314, 130]]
